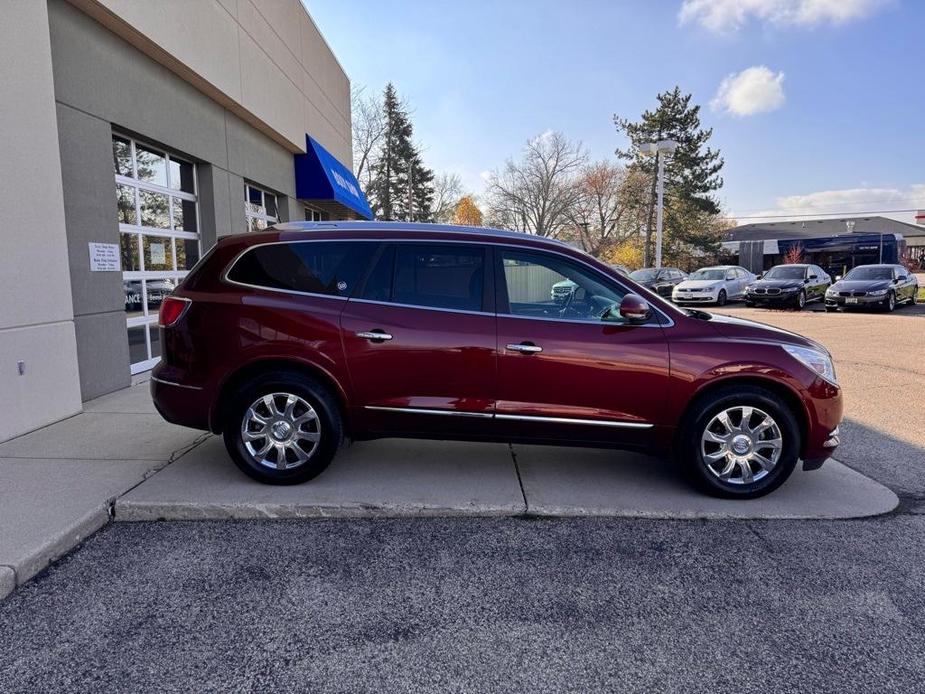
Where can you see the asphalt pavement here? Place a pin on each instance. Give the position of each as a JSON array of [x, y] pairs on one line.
[[481, 605]]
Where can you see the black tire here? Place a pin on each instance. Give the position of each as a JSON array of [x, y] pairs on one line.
[[890, 304], [699, 416], [800, 302], [831, 309], [721, 298], [750, 304], [328, 423]]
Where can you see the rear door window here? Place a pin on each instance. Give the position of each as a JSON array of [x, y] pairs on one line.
[[441, 276], [332, 268]]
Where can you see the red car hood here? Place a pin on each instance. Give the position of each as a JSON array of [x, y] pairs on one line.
[[741, 328]]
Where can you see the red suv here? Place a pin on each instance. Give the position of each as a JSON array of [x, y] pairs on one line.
[[289, 340]]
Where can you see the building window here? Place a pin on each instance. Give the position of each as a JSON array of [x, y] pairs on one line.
[[313, 215], [158, 214], [259, 207]]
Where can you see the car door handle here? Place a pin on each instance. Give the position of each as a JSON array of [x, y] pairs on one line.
[[525, 348], [375, 335]]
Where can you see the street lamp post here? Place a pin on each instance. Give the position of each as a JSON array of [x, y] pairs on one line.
[[661, 150]]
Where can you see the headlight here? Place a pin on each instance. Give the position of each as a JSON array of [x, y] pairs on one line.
[[831, 292], [789, 289], [878, 292], [820, 362]]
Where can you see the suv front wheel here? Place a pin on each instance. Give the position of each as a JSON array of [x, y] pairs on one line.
[[282, 428], [739, 443]]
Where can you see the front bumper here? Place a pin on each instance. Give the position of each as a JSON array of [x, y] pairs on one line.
[[855, 301], [824, 407], [830, 444], [695, 298], [782, 298]]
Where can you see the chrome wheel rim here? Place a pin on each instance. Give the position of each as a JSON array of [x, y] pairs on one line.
[[280, 431], [891, 302], [741, 445], [801, 300]]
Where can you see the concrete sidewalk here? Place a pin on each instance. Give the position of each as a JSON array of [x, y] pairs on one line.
[[58, 484], [120, 459]]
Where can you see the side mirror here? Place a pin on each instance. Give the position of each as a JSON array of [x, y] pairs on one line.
[[838, 278], [635, 309], [759, 275], [814, 277]]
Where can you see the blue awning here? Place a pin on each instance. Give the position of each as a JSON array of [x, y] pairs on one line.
[[322, 180]]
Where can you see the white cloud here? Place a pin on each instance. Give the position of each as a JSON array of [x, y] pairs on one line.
[[754, 90], [731, 15], [828, 203]]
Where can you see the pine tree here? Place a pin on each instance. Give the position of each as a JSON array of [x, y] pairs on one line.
[[691, 174], [401, 187]]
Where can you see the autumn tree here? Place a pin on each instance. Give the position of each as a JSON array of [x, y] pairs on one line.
[[447, 194], [467, 213], [691, 173], [600, 206], [794, 255], [536, 192]]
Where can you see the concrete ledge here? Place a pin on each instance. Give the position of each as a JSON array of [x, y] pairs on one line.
[[47, 507], [439, 478], [379, 478], [7, 581], [586, 482], [59, 543]]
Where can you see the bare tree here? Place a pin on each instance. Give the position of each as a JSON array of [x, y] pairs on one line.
[[536, 193], [369, 127], [601, 205], [447, 192]]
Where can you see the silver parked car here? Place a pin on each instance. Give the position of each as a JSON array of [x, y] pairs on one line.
[[713, 285]]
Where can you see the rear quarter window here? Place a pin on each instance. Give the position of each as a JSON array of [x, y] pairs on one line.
[[332, 268]]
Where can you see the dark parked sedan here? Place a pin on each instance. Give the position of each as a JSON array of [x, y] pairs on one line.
[[873, 286], [662, 281], [788, 285]]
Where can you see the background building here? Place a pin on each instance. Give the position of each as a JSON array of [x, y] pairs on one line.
[[837, 245], [133, 134]]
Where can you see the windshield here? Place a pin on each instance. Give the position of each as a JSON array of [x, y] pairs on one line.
[[708, 274], [870, 273], [643, 275], [785, 272]]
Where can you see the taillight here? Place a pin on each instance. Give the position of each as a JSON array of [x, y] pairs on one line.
[[171, 309]]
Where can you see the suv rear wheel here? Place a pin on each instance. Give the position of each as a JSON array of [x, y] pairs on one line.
[[283, 428], [739, 443]]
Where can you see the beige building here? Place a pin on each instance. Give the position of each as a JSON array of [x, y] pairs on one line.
[[133, 134]]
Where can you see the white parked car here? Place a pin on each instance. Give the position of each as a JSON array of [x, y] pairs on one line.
[[713, 285]]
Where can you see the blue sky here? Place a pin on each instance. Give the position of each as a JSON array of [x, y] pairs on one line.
[[841, 129]]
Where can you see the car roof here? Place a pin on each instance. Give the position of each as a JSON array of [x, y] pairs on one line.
[[416, 227]]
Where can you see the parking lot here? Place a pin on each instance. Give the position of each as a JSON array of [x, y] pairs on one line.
[[494, 604]]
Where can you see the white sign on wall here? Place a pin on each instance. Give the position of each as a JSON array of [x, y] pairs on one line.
[[104, 257], [158, 254]]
